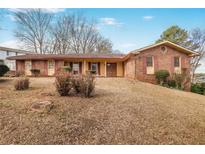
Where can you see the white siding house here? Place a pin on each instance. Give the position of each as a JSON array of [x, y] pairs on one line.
[[7, 52]]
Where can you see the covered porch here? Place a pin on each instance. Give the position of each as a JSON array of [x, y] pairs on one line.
[[101, 68]]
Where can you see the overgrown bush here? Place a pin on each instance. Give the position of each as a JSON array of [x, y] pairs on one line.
[[179, 78], [198, 88], [161, 76], [63, 83], [171, 83], [76, 83], [21, 83], [35, 72], [203, 85], [87, 85], [19, 73], [10, 74], [83, 84], [3, 70], [67, 69]]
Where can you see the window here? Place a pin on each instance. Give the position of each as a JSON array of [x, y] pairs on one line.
[[176, 62], [149, 61], [76, 68], [94, 68], [50, 64]]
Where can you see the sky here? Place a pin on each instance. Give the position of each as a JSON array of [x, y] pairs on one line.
[[128, 29]]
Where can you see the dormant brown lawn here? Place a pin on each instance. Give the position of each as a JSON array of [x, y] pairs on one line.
[[121, 112]]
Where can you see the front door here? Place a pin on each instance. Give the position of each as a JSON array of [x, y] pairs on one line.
[[111, 69], [51, 67], [28, 67]]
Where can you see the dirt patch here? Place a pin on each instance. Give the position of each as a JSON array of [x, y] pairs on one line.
[[122, 112]]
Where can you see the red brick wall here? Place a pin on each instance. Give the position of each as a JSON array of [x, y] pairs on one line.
[[129, 68], [161, 61], [58, 65], [42, 65], [20, 66]]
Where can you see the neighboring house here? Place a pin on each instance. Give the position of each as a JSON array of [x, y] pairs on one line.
[[7, 52], [140, 64]]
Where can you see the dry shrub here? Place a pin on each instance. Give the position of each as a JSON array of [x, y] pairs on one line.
[[87, 85], [21, 83], [19, 74], [63, 83], [161, 76], [83, 84], [35, 72], [10, 74], [76, 83], [178, 79]]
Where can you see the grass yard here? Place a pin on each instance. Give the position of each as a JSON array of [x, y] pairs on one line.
[[122, 112]]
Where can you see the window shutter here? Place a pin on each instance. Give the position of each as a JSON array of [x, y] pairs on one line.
[[98, 68], [71, 65], [80, 67]]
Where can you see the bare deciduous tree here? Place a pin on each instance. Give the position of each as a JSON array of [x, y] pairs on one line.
[[83, 34], [197, 37], [104, 46], [75, 34], [60, 33], [71, 33], [33, 25]]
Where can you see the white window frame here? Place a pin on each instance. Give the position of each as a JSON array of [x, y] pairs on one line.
[[76, 68], [96, 65], [51, 68], [150, 69], [177, 69], [28, 63]]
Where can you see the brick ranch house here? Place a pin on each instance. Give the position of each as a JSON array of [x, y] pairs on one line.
[[140, 64]]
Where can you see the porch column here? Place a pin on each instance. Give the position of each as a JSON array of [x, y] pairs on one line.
[[84, 67], [105, 68]]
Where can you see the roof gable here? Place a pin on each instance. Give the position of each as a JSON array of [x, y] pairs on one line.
[[169, 44]]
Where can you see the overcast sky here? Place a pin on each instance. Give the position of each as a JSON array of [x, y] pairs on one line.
[[128, 29]]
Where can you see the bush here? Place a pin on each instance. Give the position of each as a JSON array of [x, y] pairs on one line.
[[35, 72], [171, 83], [76, 83], [203, 85], [21, 83], [10, 74], [3, 69], [179, 78], [161, 76], [67, 69], [197, 88], [63, 84], [81, 84], [87, 85], [19, 73]]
